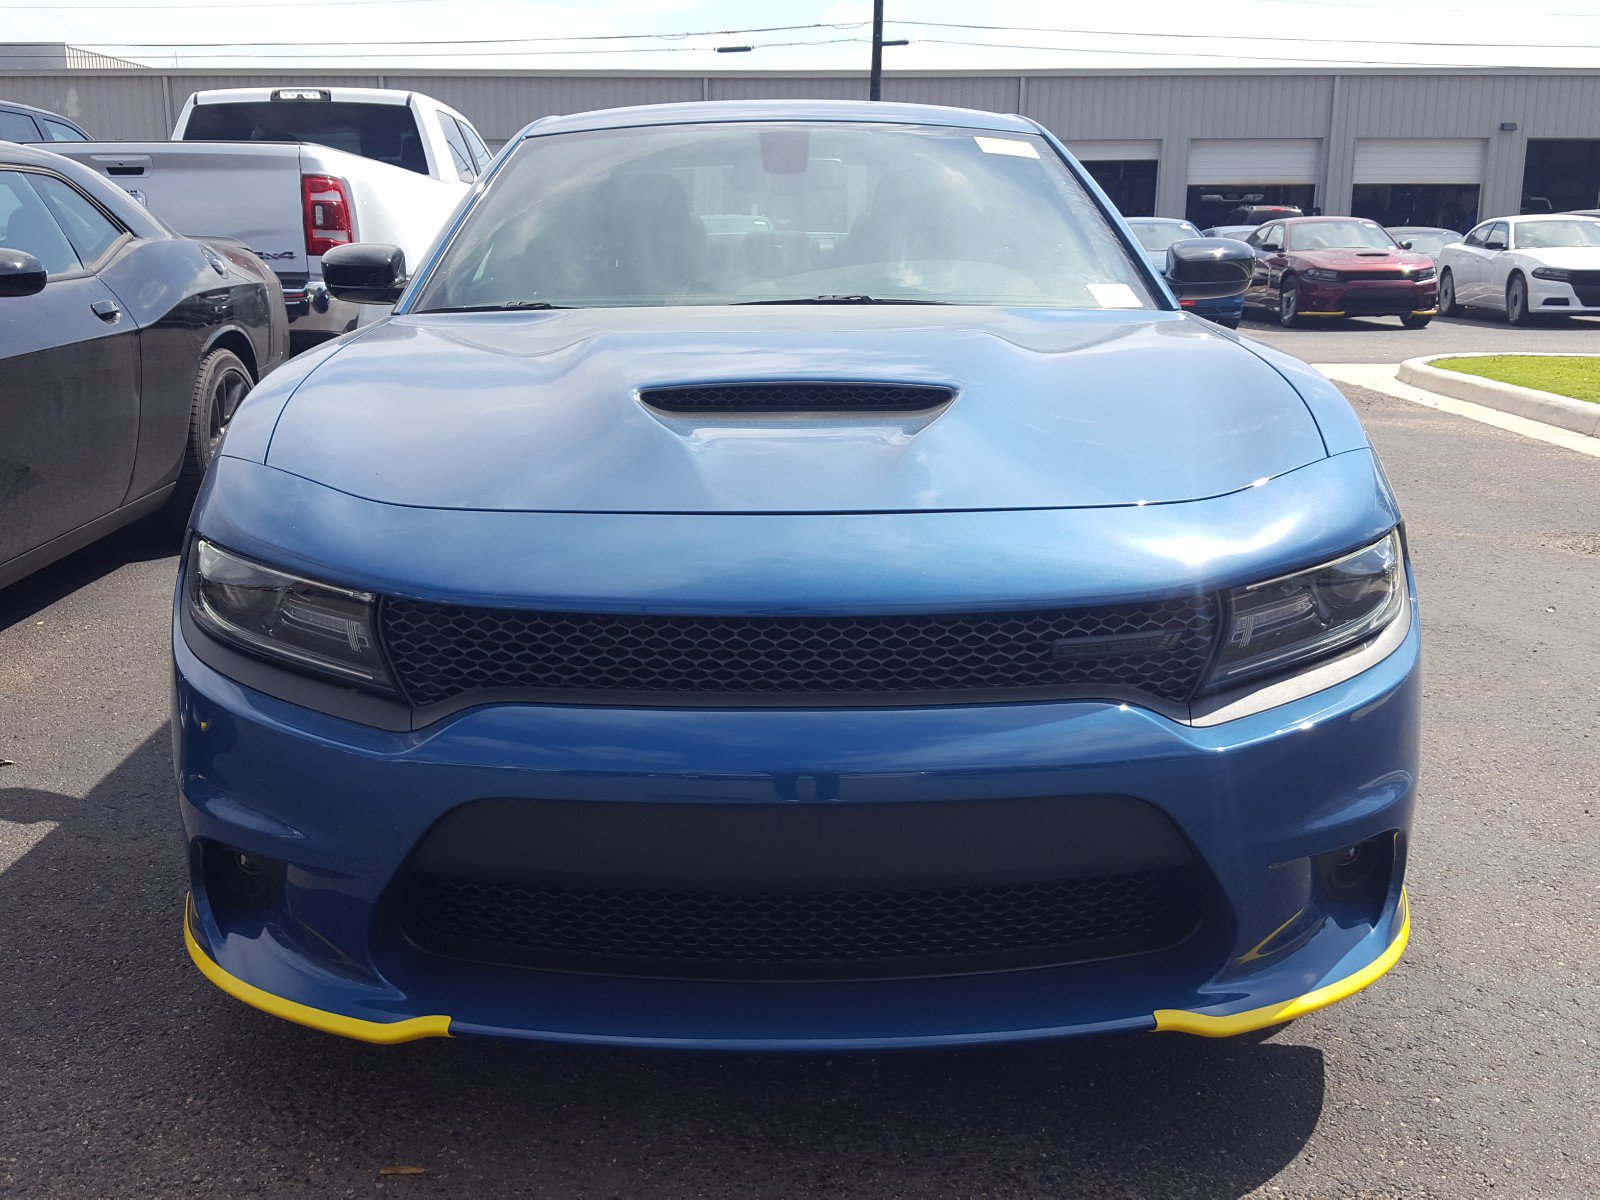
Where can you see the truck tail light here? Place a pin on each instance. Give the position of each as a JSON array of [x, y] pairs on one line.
[[329, 219]]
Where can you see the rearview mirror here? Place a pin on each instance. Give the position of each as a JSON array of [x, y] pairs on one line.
[[21, 274], [1405, 245], [1209, 268], [365, 272]]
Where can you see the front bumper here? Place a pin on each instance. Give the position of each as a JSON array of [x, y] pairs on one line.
[[1561, 297], [345, 805], [1369, 298]]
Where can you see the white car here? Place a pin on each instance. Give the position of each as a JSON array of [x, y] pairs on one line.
[[1527, 267]]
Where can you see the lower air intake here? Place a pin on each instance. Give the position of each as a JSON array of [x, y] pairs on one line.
[[801, 934]]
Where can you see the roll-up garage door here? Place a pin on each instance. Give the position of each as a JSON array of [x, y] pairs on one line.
[[1419, 160], [1254, 160], [1115, 151]]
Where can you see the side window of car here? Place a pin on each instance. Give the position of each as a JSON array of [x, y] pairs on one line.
[[480, 153], [1477, 237], [26, 225], [60, 131], [1273, 237], [91, 232], [1499, 232], [460, 156], [17, 127]]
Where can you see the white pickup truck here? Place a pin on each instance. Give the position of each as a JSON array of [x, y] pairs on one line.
[[294, 171]]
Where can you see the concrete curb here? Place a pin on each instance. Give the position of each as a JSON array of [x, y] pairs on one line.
[[1563, 412]]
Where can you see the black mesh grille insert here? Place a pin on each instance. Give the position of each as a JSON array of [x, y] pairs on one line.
[[801, 396], [440, 651], [774, 934]]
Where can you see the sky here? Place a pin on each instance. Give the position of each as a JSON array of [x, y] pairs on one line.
[[369, 35]]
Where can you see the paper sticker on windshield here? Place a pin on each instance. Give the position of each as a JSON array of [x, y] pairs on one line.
[[1011, 146], [1114, 295]]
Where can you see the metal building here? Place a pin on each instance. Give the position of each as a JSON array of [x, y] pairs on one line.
[[1402, 146]]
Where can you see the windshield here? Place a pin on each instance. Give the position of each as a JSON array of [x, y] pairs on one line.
[[1426, 241], [781, 212], [1551, 235], [385, 132], [1156, 236], [1339, 235]]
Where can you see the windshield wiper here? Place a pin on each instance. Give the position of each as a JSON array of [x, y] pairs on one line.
[[508, 306], [851, 298]]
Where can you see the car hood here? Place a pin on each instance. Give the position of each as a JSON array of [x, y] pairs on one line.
[[1362, 260], [1571, 258], [540, 412]]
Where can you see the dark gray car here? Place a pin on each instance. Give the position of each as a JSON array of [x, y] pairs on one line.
[[124, 350]]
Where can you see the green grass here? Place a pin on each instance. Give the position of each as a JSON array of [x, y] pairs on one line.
[[1564, 375]]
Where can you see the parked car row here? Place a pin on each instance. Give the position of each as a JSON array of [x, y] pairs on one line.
[[1542, 266]]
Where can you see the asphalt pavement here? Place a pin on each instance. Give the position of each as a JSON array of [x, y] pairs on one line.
[[1471, 1069], [1384, 340]]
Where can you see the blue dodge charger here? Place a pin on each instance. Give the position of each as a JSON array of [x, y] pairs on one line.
[[791, 575]]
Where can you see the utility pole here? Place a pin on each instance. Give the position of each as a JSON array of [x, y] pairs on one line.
[[875, 92]]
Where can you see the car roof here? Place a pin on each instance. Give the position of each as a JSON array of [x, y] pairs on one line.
[[19, 106], [1325, 219], [15, 154], [705, 111], [1159, 221], [1525, 218]]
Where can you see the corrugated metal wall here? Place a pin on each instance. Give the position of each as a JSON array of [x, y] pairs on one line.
[[1337, 109]]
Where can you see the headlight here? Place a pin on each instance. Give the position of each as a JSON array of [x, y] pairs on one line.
[[1318, 275], [314, 626], [1293, 620], [1560, 274], [1424, 273]]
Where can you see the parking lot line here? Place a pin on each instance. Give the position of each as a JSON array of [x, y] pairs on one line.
[[1383, 377]]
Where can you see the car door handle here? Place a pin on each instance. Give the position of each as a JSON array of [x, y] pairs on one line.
[[106, 310]]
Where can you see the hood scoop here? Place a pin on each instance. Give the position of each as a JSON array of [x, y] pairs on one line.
[[796, 396]]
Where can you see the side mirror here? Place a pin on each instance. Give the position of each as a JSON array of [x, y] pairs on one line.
[[21, 274], [1495, 244], [365, 272], [1272, 247], [1209, 268]]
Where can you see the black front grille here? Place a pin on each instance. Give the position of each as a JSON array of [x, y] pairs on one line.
[[1588, 294], [1160, 650], [801, 934], [1584, 278], [1390, 275], [797, 396]]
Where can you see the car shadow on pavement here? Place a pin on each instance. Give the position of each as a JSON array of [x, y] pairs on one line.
[[34, 593], [126, 1073]]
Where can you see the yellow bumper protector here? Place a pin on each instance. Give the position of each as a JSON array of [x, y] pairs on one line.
[[1313, 313], [1425, 312], [382, 1032], [1177, 1020]]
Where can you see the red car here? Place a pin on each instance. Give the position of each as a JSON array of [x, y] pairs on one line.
[[1339, 267]]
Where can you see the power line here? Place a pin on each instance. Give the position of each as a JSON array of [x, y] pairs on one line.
[[389, 55], [429, 53], [575, 37], [1248, 37]]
